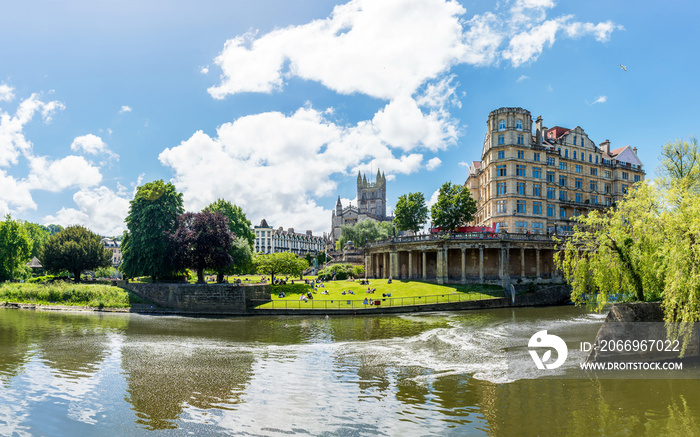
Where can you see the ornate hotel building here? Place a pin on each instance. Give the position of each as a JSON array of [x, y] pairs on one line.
[[539, 182]]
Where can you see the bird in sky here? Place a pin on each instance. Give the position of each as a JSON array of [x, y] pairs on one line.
[[623, 67]]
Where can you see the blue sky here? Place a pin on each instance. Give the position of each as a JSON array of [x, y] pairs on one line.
[[276, 105]]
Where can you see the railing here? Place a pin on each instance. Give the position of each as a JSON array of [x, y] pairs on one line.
[[373, 302], [460, 236]]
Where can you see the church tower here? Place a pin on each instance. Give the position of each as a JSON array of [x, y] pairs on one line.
[[371, 196]]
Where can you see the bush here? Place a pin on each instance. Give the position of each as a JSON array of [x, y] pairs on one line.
[[342, 271], [358, 271], [290, 289]]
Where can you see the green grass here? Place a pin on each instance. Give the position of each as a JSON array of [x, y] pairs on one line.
[[402, 293], [63, 293]]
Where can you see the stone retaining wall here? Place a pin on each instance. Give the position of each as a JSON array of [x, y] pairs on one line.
[[202, 298]]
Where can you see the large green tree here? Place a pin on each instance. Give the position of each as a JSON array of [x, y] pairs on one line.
[[15, 247], [280, 263], [365, 231], [38, 234], [237, 220], [240, 227], [152, 217], [454, 207], [75, 249], [410, 213], [680, 164]]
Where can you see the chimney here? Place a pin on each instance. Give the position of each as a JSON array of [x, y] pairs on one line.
[[309, 233], [605, 147], [290, 230], [538, 130], [634, 149]]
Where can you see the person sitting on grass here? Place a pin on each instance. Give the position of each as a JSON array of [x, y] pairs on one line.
[[389, 281], [364, 302]]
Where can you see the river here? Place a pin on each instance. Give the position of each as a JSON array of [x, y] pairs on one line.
[[421, 374]]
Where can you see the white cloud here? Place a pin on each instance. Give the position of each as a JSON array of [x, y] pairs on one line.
[[125, 109], [463, 164], [6, 93], [522, 78], [433, 163], [601, 99], [204, 70], [62, 173], [90, 144], [100, 210]]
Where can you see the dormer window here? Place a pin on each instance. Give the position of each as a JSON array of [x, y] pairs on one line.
[[502, 125], [519, 125]]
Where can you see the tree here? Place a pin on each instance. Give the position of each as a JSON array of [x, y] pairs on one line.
[[680, 163], [410, 213], [455, 206], [238, 222], [15, 246], [240, 227], [152, 217], [363, 232], [74, 249], [279, 263], [38, 234], [202, 240]]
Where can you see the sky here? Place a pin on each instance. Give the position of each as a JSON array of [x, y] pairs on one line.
[[276, 105]]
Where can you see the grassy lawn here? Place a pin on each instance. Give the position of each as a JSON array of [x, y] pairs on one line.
[[402, 293], [63, 293]]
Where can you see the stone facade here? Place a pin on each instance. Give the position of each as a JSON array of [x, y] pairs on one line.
[[269, 240], [538, 183], [371, 198], [113, 246], [464, 258]]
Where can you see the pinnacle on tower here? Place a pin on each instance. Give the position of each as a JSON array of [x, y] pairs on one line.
[[379, 177], [359, 177], [383, 179], [364, 180]]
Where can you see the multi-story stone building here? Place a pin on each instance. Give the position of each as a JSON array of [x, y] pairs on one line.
[[371, 199], [269, 240], [539, 182], [113, 246]]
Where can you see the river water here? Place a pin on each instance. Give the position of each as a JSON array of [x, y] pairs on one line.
[[65, 374]]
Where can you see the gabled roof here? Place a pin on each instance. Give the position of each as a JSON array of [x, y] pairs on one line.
[[557, 132]]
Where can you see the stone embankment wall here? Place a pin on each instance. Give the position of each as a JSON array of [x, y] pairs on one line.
[[202, 298], [639, 320]]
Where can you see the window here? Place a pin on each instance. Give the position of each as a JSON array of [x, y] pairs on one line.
[[536, 156], [501, 207], [550, 176], [625, 175], [579, 168], [521, 154], [520, 170], [537, 208], [501, 154], [520, 207], [501, 189], [521, 139], [574, 153], [537, 190], [594, 185], [562, 213], [518, 124], [566, 153], [577, 213], [608, 174], [637, 178], [594, 171], [562, 196], [537, 172], [537, 225], [551, 161], [501, 139], [562, 181], [550, 210], [521, 188], [594, 200], [501, 170], [551, 193], [624, 189], [578, 183], [596, 159], [521, 224], [608, 202], [501, 125], [590, 157], [607, 188], [574, 144], [562, 166], [579, 197]]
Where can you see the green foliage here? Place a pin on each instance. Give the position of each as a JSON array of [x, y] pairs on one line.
[[358, 271], [38, 234], [15, 247], [74, 249], [454, 207], [290, 289], [365, 231], [105, 272], [63, 293], [680, 164], [152, 216], [280, 263], [342, 272], [410, 213], [238, 222]]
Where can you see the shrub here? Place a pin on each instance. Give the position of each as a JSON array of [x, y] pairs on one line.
[[342, 271], [290, 288]]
